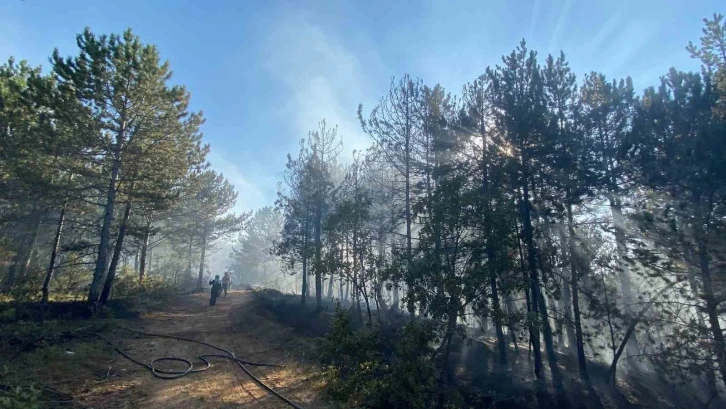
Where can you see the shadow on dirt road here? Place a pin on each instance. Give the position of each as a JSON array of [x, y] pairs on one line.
[[231, 324]]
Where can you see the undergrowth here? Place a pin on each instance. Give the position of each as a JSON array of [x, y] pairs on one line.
[[379, 367], [31, 352], [127, 285], [39, 342], [19, 397], [151, 294], [129, 298]]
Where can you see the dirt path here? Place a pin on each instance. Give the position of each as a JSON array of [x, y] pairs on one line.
[[231, 324]]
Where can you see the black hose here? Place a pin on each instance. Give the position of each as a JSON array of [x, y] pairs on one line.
[[170, 374]]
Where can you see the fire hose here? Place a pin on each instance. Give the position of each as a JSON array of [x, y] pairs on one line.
[[175, 374]]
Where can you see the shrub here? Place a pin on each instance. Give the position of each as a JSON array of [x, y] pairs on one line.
[[28, 335], [153, 289], [379, 367], [72, 279], [19, 397]]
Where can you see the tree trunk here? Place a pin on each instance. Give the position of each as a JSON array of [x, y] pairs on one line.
[[551, 353], [559, 324], [411, 309], [490, 251], [304, 253], [533, 278], [9, 281], [347, 290], [356, 290], [396, 297], [631, 329], [151, 253], [203, 249], [99, 273], [111, 276], [347, 266], [136, 261], [497, 317], [340, 276], [304, 279], [144, 249], [711, 304], [624, 268], [189, 256], [330, 285], [511, 310], [318, 261], [695, 291], [497, 310], [22, 258], [366, 299], [567, 295], [31, 248], [307, 286], [444, 375], [331, 277], [54, 253], [710, 375], [381, 302], [574, 277], [524, 272]]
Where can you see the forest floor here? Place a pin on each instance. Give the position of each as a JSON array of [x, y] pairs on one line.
[[262, 326], [91, 374], [484, 385]]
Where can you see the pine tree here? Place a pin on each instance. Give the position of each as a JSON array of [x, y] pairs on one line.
[[214, 198], [570, 171], [131, 116], [37, 173], [519, 103], [712, 54], [492, 203], [252, 256], [324, 146], [295, 203], [395, 127], [679, 148], [607, 114], [22, 170]]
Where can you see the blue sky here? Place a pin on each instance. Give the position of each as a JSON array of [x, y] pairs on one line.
[[266, 72]]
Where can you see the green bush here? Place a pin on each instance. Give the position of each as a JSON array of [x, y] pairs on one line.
[[13, 396], [29, 335], [26, 336], [7, 314], [379, 367], [71, 283], [19, 397], [153, 288]]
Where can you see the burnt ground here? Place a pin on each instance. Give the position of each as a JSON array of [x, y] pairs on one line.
[[474, 362]]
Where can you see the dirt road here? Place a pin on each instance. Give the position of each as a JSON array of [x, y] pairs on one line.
[[232, 324]]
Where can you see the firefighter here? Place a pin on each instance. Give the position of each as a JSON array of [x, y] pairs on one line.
[[216, 290], [226, 282]]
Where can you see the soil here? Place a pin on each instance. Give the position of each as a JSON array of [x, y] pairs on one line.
[[232, 324]]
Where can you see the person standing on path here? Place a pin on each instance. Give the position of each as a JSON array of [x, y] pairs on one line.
[[226, 282], [216, 289]]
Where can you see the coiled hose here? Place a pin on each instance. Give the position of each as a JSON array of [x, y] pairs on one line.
[[170, 374]]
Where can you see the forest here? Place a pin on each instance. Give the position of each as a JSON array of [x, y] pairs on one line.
[[102, 163], [568, 220]]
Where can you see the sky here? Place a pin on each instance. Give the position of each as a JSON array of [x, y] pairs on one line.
[[265, 73]]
